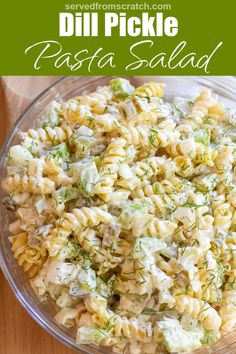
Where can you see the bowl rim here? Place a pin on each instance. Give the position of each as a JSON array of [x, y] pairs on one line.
[[3, 267], [8, 275]]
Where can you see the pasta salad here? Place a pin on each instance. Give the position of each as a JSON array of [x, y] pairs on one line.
[[124, 211]]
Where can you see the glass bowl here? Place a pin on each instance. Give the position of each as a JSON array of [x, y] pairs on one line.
[[223, 87]]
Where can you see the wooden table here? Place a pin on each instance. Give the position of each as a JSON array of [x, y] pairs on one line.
[[19, 334]]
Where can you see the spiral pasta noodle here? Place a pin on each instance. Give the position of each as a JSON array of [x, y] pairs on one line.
[[160, 228], [29, 258], [150, 89], [92, 245], [54, 135], [198, 309], [97, 101], [143, 136], [109, 168], [121, 326], [223, 216], [74, 221], [25, 183], [74, 112]]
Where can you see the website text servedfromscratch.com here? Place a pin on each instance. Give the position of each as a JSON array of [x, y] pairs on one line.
[[117, 7]]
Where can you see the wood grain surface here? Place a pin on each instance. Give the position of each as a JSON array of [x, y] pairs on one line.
[[19, 333]]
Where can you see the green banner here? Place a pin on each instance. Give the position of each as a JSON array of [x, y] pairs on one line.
[[121, 37]]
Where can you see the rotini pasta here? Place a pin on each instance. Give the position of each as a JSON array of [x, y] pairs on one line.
[[109, 168], [198, 309], [119, 326], [147, 137], [29, 258], [150, 89], [54, 135], [97, 100], [74, 222], [25, 183]]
